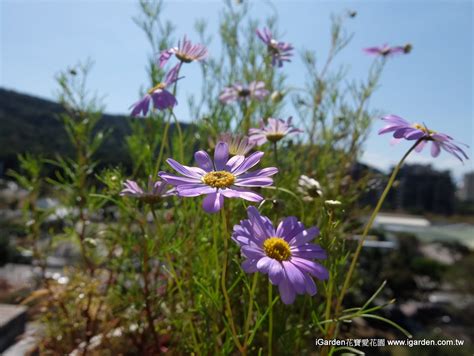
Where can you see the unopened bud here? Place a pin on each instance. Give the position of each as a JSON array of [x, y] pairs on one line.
[[277, 96]]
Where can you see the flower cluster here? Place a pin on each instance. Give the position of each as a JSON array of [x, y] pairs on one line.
[[161, 98], [402, 129], [286, 253]]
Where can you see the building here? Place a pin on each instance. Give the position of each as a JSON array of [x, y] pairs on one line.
[[422, 189], [466, 193]]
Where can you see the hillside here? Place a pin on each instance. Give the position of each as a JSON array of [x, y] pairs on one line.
[[29, 124]]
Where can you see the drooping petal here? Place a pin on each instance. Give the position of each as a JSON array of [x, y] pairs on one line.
[[264, 264], [287, 292], [212, 203], [276, 272], [311, 267], [311, 288], [163, 99], [141, 106], [420, 146], [250, 266], [295, 276], [435, 149]]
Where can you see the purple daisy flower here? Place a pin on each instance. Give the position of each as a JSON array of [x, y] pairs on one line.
[[186, 52], [274, 131], [238, 144], [160, 97], [155, 190], [386, 50], [222, 178], [237, 92], [280, 51], [284, 253], [402, 129]]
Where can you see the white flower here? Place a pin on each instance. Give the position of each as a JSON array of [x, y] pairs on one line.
[[309, 188]]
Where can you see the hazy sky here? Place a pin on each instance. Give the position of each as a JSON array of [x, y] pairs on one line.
[[433, 84]]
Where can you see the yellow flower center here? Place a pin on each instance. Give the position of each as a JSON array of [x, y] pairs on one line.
[[275, 137], [219, 179], [277, 248], [157, 87], [423, 128]]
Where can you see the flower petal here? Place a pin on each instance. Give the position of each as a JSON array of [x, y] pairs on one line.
[[435, 149], [287, 292], [276, 272], [221, 155], [295, 276], [264, 264], [248, 163], [250, 265], [212, 203], [194, 190], [311, 267], [240, 193], [204, 160], [177, 180]]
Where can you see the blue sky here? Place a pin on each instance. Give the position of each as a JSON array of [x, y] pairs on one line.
[[434, 84]]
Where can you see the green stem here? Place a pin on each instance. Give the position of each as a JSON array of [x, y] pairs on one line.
[[270, 319], [275, 152], [249, 313], [364, 235], [180, 136], [175, 277], [162, 147], [228, 307]]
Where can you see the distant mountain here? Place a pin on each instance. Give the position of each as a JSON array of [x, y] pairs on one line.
[[30, 124]]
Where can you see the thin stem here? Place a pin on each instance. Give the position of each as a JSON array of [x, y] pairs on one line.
[[224, 287], [174, 275], [275, 152], [364, 235], [180, 135], [162, 147], [249, 313], [270, 319]]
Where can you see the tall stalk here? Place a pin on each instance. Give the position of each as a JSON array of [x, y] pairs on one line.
[[367, 228]]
